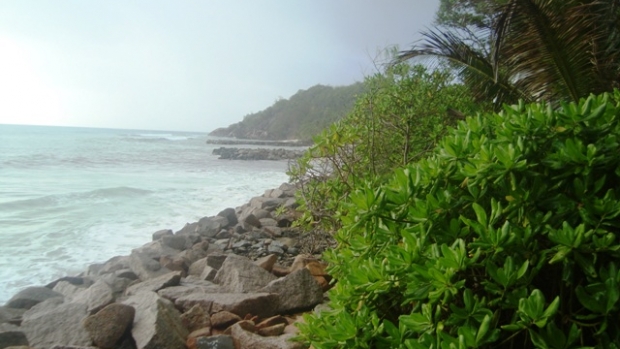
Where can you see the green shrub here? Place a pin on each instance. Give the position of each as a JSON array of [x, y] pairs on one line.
[[505, 237], [403, 113]]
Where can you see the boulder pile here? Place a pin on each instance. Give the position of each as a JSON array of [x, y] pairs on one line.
[[257, 154], [239, 279]]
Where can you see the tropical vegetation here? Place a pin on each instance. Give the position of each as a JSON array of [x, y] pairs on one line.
[[474, 203]]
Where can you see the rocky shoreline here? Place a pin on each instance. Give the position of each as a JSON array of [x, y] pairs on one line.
[[285, 143], [257, 154], [239, 279]]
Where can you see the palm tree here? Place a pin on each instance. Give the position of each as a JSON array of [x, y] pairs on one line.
[[548, 50]]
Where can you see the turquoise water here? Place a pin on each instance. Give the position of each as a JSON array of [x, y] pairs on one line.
[[70, 197]]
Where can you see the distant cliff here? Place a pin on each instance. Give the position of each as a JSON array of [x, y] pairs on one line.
[[302, 116]]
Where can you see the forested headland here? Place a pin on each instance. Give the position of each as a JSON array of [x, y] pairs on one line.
[[300, 117]]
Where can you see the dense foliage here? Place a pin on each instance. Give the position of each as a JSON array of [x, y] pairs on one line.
[[505, 237], [302, 116], [535, 50], [399, 118]]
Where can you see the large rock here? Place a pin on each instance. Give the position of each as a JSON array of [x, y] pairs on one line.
[[11, 315], [176, 292], [46, 327], [240, 275], [298, 291], [157, 324], [197, 267], [161, 233], [264, 203], [247, 340], [209, 226], [177, 242], [11, 335], [260, 304], [108, 326], [156, 284], [27, 298], [95, 297], [230, 215], [68, 290], [146, 267], [215, 260], [195, 318]]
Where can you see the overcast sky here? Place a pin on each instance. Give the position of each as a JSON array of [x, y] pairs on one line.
[[186, 65]]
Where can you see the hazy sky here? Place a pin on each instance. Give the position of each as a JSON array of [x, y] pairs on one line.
[[186, 65]]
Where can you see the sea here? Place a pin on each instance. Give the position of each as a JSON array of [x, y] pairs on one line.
[[71, 197]]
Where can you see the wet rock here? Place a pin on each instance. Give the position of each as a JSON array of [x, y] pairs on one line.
[[195, 318], [224, 319], [260, 304], [161, 233], [267, 262], [209, 226], [230, 215], [157, 324], [146, 267], [11, 335], [297, 291], [239, 274], [95, 297], [67, 289], [156, 284], [27, 298], [11, 315], [62, 324], [270, 331], [178, 242], [108, 325], [245, 340]]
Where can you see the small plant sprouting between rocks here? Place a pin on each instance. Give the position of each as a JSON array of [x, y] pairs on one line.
[[505, 237]]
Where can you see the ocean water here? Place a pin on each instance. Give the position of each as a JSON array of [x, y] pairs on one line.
[[70, 197]]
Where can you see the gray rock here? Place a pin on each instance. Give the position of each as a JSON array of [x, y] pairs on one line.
[[208, 273], [112, 265], [52, 326], [220, 341], [250, 220], [274, 193], [189, 228], [260, 304], [275, 249], [95, 297], [11, 315], [268, 222], [73, 280], [155, 250], [240, 275], [27, 298], [197, 267], [209, 226], [260, 213], [176, 292], [157, 324], [244, 340], [195, 318], [155, 284], [67, 289], [297, 291], [178, 242], [108, 326], [230, 215], [215, 260], [11, 335], [117, 283], [145, 267], [161, 233]]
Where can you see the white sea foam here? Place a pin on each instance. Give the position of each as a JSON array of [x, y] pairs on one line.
[[58, 216]]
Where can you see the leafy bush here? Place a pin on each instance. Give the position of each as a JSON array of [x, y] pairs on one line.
[[401, 116], [505, 237]]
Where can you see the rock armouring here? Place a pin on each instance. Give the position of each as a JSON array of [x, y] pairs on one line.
[[257, 154], [239, 279]]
